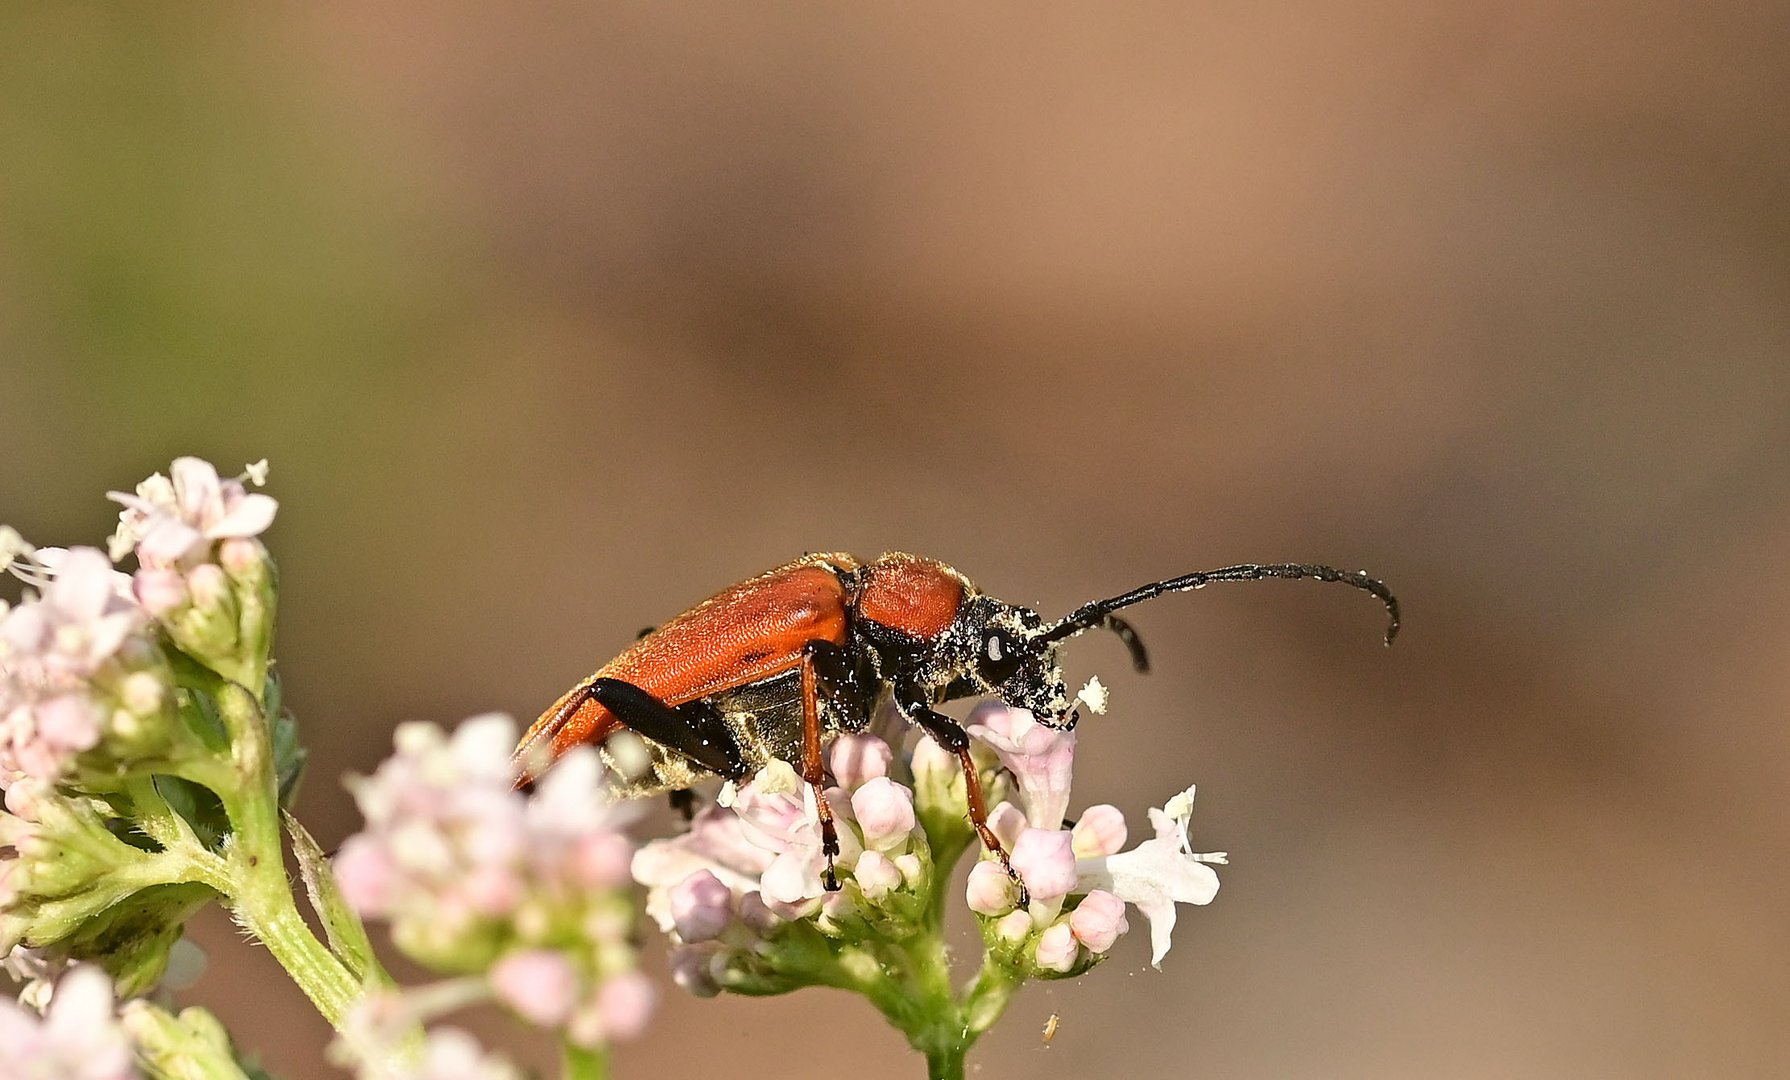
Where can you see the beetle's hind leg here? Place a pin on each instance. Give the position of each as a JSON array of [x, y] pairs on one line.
[[683, 804], [949, 734], [693, 729]]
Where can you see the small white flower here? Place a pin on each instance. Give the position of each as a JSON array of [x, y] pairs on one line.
[[79, 1037], [374, 1033], [1157, 874], [51, 649], [456, 858], [1041, 759], [169, 521]]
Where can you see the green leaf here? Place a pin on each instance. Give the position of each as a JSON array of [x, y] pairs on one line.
[[347, 936], [288, 756]]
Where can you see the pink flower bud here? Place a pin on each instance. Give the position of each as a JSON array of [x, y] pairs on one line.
[[491, 890], [858, 758], [701, 906], [1013, 927], [1098, 920], [990, 891], [838, 906], [365, 874], [755, 913], [1099, 831], [625, 1003], [69, 721], [208, 585], [25, 798], [159, 591], [539, 984], [241, 557], [1057, 948], [142, 693], [1045, 859], [692, 969], [876, 876], [601, 860], [912, 869], [1008, 823], [885, 811], [932, 763]]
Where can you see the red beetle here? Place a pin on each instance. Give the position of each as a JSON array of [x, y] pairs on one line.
[[776, 665]]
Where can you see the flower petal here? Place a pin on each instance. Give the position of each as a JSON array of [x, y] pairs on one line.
[[249, 515], [197, 492]]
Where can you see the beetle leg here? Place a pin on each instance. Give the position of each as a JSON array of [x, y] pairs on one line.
[[816, 655], [949, 734], [683, 804], [693, 729]]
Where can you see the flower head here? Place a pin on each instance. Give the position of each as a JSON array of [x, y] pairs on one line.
[[78, 1038], [747, 873], [475, 876], [202, 571], [741, 897], [1159, 873], [74, 665], [173, 522], [375, 1040]]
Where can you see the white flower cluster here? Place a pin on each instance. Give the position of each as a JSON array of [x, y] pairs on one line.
[[1078, 879], [78, 1037], [78, 668], [739, 891], [724, 888], [74, 666], [476, 877]]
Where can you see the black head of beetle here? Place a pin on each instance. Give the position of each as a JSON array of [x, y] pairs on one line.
[[1012, 653], [1001, 650]]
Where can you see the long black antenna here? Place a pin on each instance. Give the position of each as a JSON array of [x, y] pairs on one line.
[[1092, 614]]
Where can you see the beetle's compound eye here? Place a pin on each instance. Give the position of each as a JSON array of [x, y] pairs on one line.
[[999, 658]]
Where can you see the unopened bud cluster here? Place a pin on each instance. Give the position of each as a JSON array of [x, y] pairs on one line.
[[743, 892], [202, 569]]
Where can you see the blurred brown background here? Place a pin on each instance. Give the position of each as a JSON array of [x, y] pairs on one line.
[[556, 318]]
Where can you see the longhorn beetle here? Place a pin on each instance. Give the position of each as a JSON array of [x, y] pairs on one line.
[[775, 665]]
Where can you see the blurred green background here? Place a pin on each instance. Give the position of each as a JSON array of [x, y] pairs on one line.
[[554, 319]]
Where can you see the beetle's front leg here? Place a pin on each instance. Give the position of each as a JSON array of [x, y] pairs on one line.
[[948, 733]]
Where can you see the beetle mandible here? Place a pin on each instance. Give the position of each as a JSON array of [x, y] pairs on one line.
[[777, 664]]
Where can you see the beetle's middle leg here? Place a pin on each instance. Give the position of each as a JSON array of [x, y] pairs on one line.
[[949, 734], [822, 663]]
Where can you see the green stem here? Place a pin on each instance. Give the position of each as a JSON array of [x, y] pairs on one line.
[[261, 895], [585, 1064], [946, 1062]]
